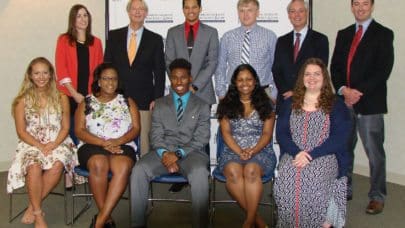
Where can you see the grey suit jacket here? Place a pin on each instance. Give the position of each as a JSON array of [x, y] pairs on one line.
[[204, 57], [191, 134]]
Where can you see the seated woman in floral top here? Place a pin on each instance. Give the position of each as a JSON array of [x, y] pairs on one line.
[[106, 124]]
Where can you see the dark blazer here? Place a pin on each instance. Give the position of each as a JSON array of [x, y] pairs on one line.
[[336, 143], [371, 66], [204, 57], [191, 134], [144, 80], [284, 69]]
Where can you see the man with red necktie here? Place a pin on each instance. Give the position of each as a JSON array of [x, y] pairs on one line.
[[361, 65]]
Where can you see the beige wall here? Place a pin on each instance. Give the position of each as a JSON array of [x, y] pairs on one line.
[[332, 15], [30, 28]]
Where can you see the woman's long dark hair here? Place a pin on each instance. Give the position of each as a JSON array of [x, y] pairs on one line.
[[71, 30], [231, 107]]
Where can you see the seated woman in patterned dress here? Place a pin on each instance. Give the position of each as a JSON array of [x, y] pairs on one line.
[[312, 130], [246, 120], [41, 115], [106, 124]]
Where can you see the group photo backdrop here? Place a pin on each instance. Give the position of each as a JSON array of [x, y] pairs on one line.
[[221, 15]]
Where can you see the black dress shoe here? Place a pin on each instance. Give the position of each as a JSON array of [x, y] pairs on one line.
[[110, 224], [176, 187]]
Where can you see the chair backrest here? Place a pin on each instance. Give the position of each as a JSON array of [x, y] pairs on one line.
[[137, 141], [220, 143]]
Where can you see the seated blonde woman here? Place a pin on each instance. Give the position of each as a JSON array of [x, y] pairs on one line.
[[41, 115]]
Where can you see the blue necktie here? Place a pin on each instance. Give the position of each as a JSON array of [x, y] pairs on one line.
[[180, 110]]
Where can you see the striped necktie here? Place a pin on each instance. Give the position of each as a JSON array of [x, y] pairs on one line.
[[245, 55], [297, 46], [180, 109]]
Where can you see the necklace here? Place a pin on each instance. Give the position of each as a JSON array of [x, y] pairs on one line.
[[245, 102]]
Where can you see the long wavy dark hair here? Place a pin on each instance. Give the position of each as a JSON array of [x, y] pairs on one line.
[[325, 99], [231, 107], [95, 88], [71, 30]]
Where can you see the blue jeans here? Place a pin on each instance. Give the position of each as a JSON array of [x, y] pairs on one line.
[[371, 131]]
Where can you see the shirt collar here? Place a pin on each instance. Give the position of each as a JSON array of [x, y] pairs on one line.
[[365, 24], [251, 28], [195, 25], [184, 98], [303, 31], [137, 32]]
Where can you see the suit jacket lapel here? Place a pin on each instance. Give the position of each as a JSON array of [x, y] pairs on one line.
[[123, 45], [365, 39], [305, 44], [290, 45], [182, 39], [198, 39], [172, 113]]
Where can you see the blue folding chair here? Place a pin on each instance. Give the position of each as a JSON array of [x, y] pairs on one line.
[[86, 193], [217, 175], [172, 178]]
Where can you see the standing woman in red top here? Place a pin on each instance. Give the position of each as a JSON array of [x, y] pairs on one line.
[[78, 53]]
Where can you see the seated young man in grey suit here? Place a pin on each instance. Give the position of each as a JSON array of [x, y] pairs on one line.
[[180, 131]]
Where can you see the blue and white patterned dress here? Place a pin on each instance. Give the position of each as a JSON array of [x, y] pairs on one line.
[[313, 195], [247, 132]]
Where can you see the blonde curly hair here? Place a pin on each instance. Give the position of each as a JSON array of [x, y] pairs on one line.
[[30, 94]]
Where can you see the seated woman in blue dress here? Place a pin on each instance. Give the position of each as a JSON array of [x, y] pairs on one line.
[[106, 124], [246, 120]]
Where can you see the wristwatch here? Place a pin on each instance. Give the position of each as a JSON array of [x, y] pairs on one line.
[[195, 88], [178, 154]]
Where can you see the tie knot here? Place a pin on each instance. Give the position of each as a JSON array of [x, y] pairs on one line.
[[179, 100], [133, 34], [298, 34], [360, 28]]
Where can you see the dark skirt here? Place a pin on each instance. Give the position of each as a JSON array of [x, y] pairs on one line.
[[87, 150]]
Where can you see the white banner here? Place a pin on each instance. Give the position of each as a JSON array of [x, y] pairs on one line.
[[222, 15]]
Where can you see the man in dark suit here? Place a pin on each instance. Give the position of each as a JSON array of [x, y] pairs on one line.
[[361, 64], [180, 131], [199, 46], [138, 54], [310, 43]]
